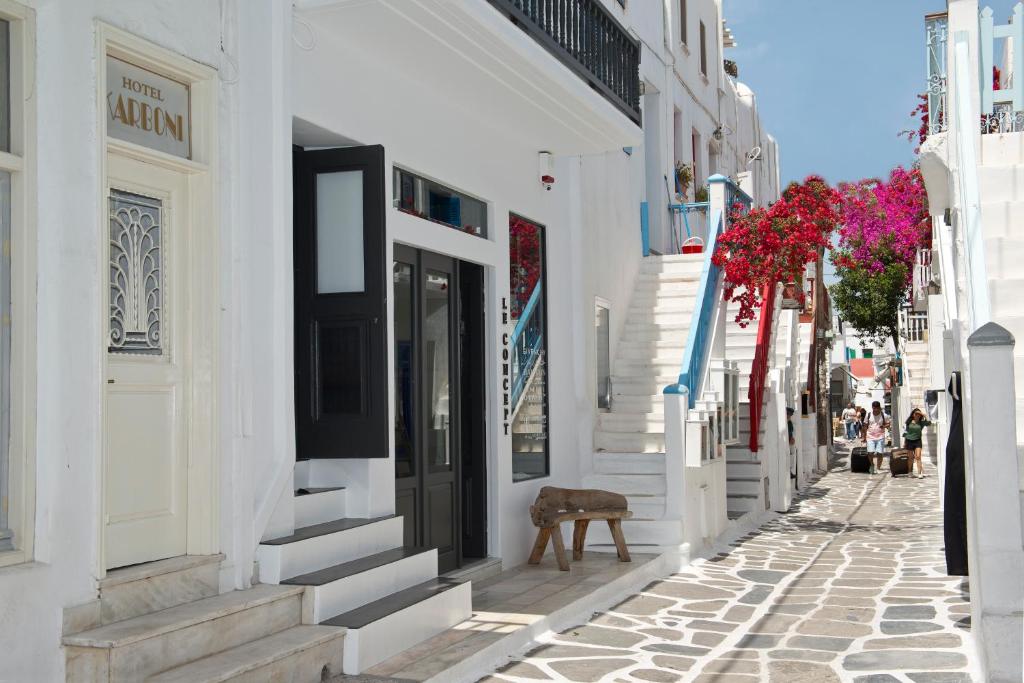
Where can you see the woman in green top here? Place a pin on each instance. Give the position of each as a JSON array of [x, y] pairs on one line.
[[912, 440]]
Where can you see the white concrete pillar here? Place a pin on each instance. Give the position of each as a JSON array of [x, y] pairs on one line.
[[996, 555], [676, 408]]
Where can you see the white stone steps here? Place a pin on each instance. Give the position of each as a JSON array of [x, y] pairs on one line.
[[631, 422], [744, 485], [998, 218], [142, 589], [646, 507], [609, 462], [324, 545], [1005, 294], [152, 643], [319, 505], [650, 332], [744, 503], [631, 442], [647, 403], [1004, 254], [301, 654], [627, 484], [639, 388], [349, 585], [650, 366], [662, 320], [1002, 181], [388, 626]]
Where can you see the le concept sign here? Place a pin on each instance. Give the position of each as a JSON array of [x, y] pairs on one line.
[[148, 109]]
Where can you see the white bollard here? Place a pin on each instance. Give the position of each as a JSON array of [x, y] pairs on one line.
[[996, 558]]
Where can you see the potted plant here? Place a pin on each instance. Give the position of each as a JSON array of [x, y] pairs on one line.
[[791, 299], [702, 193], [684, 177]]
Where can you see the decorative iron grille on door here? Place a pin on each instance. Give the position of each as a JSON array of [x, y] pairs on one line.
[[136, 275]]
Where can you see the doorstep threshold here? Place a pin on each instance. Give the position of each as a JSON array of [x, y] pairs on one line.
[[506, 617]]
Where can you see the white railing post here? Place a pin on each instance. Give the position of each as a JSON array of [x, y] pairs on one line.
[[676, 408], [996, 558]]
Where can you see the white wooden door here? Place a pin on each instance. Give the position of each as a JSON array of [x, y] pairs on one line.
[[147, 341]]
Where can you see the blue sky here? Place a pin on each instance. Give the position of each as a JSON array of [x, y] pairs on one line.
[[835, 79]]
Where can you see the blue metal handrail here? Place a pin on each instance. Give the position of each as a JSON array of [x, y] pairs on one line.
[[700, 325], [695, 353], [526, 341]]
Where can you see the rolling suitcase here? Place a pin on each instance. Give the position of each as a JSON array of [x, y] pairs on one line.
[[859, 460], [899, 463]]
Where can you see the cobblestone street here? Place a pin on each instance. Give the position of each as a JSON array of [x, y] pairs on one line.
[[850, 585]]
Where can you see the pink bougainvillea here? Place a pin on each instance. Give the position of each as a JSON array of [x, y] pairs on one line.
[[883, 221], [766, 246]]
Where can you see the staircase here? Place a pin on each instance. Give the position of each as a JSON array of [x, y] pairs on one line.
[[356, 574], [629, 441], [746, 471], [165, 622], [529, 424], [1001, 185], [915, 361]]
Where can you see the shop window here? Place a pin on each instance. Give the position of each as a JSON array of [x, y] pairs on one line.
[[435, 202], [528, 361], [703, 50], [602, 329], [682, 21], [17, 285]]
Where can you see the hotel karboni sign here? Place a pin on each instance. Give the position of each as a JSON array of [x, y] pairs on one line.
[[148, 109]]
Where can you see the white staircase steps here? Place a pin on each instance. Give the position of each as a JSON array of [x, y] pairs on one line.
[[344, 587], [629, 440], [323, 545], [316, 505], [357, 571], [140, 647], [301, 653], [386, 627]]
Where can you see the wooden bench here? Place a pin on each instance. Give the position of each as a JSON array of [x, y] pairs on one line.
[[555, 505]]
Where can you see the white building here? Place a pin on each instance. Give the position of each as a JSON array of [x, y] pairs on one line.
[[972, 175], [290, 287]]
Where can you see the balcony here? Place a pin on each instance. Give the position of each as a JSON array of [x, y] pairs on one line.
[[583, 36], [936, 33], [554, 75]]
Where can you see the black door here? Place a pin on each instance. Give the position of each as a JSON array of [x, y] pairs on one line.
[[433, 426], [340, 307], [473, 417]]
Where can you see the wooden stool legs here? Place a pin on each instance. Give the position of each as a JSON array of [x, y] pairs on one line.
[[559, 545], [579, 537], [543, 534], [615, 526]]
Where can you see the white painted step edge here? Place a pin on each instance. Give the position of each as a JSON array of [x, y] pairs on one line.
[[343, 595], [382, 639], [278, 562]]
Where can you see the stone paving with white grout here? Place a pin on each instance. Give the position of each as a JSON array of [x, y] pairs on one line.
[[849, 585]]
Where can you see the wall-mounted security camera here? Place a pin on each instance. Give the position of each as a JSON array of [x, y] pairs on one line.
[[546, 163]]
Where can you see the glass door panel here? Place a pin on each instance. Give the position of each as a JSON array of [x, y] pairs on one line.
[[436, 368]]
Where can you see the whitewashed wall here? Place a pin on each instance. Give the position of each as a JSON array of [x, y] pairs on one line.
[[70, 292]]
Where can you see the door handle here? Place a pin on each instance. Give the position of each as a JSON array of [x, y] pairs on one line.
[[110, 381]]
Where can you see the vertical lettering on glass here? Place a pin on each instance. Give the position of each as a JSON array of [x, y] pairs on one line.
[[136, 275]]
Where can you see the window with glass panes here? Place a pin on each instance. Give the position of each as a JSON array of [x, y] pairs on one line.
[[16, 292]]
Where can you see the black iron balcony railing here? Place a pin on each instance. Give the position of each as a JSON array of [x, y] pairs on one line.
[[586, 38]]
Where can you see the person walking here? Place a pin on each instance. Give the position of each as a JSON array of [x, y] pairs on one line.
[[850, 422], [912, 440], [862, 423], [791, 430], [877, 423]]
